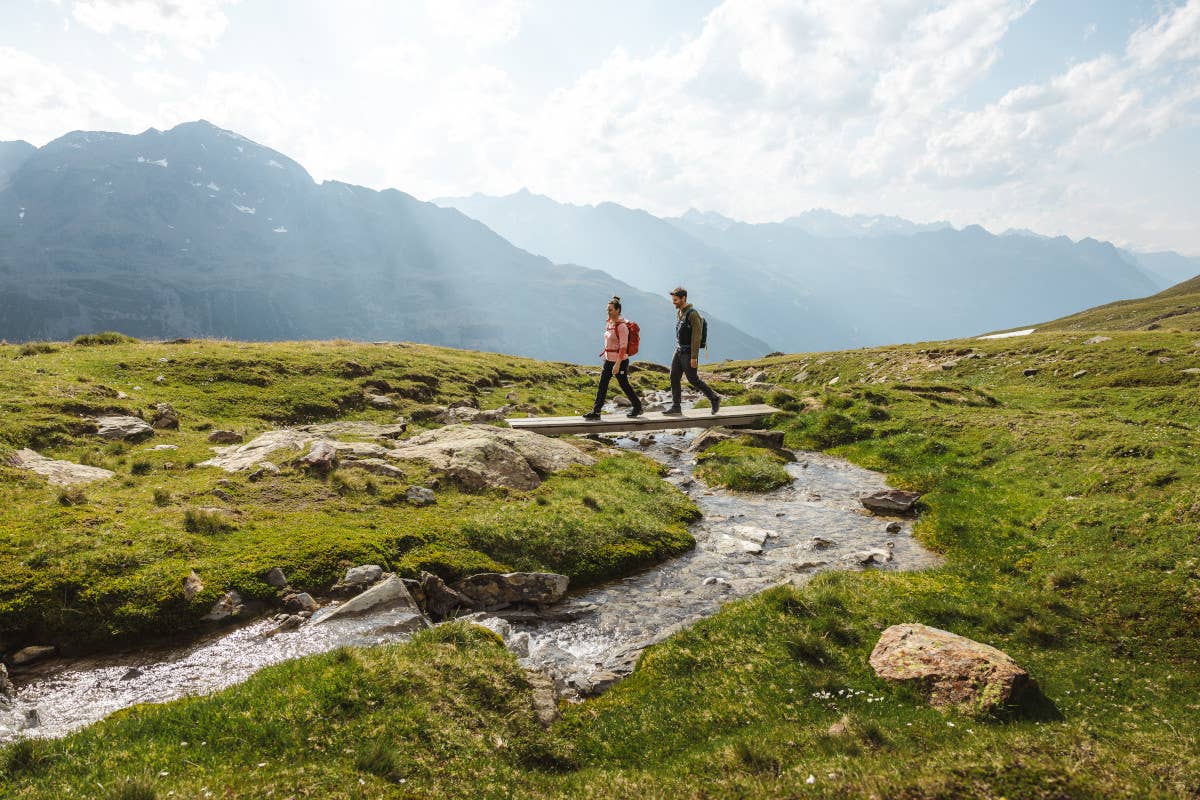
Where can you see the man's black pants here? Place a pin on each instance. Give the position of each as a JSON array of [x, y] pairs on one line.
[[622, 378], [681, 365]]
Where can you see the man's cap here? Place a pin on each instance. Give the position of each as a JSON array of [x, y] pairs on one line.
[[679, 291]]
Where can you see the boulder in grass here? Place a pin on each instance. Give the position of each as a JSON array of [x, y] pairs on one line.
[[322, 456], [953, 671], [890, 501], [164, 417], [225, 437], [57, 472], [123, 427], [493, 589]]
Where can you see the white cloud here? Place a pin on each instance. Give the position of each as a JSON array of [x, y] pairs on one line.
[[190, 26], [40, 102], [477, 23]]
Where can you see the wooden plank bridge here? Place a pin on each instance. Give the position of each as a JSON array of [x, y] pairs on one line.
[[728, 416]]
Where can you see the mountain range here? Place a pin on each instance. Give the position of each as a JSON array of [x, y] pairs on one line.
[[824, 281], [198, 231]]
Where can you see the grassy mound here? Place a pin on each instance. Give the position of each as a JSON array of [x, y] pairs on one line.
[[736, 465], [105, 563]]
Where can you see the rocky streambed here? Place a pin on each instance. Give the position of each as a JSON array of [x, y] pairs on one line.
[[744, 544]]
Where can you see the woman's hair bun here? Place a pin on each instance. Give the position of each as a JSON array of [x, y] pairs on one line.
[[616, 298]]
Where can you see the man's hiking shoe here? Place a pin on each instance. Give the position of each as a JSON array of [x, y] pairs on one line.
[[716, 404], [634, 412], [673, 411], [592, 416]]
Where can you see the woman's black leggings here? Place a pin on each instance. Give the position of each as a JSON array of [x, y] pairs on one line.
[[622, 378]]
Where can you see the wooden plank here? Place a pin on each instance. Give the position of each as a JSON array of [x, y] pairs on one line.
[[730, 417]]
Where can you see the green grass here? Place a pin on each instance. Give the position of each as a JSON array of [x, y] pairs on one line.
[[1068, 515], [741, 467], [95, 566]]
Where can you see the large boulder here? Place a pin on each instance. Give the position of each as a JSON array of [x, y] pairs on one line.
[[58, 473], [890, 501], [130, 428], [490, 590], [238, 457], [387, 596], [954, 672], [483, 456]]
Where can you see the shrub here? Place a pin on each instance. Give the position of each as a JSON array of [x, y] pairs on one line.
[[161, 497], [107, 337], [34, 348], [208, 522], [140, 468], [71, 496]]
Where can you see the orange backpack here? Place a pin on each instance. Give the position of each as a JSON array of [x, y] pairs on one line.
[[635, 338]]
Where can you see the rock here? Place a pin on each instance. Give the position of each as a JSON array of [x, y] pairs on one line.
[[866, 557], [322, 456], [800, 377], [289, 622], [1098, 339], [225, 437], [490, 589], [276, 578], [238, 457], [1192, 371], [728, 545], [222, 495], [1030, 372], [420, 496], [129, 428], [131, 673], [1079, 373], [498, 626], [890, 501], [753, 533], [57, 473], [264, 470], [833, 381], [192, 586], [545, 702], [6, 688], [758, 377], [710, 438], [716, 581], [840, 727], [363, 575], [380, 401], [518, 644], [229, 605], [440, 600], [483, 456], [375, 466], [600, 682], [893, 527], [164, 417], [819, 542], [300, 601], [32, 653], [387, 595], [953, 671], [369, 430]]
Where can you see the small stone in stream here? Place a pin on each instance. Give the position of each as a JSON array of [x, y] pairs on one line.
[[715, 581], [420, 496], [6, 687], [30, 654], [518, 644], [131, 673], [890, 501], [290, 622], [893, 527], [301, 601], [229, 605], [819, 542], [363, 575], [192, 586], [276, 578]]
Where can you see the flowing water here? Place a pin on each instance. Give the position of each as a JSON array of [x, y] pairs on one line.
[[744, 544]]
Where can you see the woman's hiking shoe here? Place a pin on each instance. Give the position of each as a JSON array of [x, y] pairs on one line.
[[673, 411], [716, 404], [592, 416], [634, 412]]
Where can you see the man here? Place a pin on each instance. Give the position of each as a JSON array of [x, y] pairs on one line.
[[688, 331]]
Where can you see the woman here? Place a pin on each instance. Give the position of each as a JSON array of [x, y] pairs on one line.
[[616, 348]]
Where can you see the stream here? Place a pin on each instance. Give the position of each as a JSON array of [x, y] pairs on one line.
[[744, 543]]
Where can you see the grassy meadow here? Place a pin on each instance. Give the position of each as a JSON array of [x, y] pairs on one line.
[[1059, 481]]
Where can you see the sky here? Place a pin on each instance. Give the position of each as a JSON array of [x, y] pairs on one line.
[[1061, 116]]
